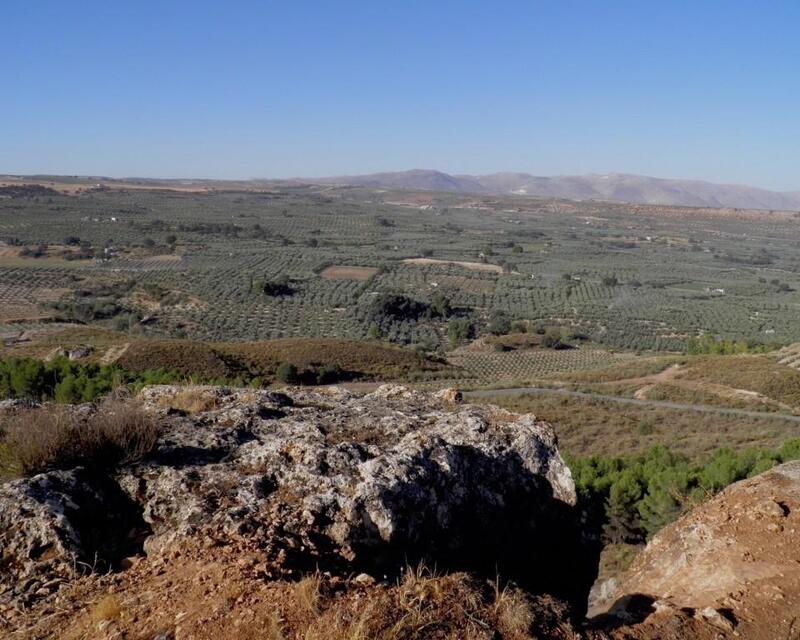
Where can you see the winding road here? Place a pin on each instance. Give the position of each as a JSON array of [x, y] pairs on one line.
[[706, 408]]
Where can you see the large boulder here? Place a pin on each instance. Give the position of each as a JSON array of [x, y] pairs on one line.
[[733, 562], [324, 479]]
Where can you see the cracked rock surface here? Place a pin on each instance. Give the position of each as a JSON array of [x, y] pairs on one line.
[[309, 479]]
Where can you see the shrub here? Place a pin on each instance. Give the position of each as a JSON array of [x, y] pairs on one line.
[[276, 288], [460, 330], [287, 373], [519, 326], [499, 324], [392, 306], [191, 401], [552, 339], [709, 344], [440, 306], [54, 436], [67, 382], [330, 374]]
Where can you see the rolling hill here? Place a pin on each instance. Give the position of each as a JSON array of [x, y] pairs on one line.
[[614, 187]]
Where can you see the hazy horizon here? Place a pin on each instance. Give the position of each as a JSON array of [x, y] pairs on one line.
[[424, 169], [269, 91]]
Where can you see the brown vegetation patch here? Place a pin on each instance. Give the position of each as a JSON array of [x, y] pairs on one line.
[[365, 360], [587, 426], [214, 596], [760, 374], [54, 436], [344, 272], [191, 401], [10, 257], [508, 342], [22, 313]]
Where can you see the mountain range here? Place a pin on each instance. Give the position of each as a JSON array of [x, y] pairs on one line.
[[617, 187]]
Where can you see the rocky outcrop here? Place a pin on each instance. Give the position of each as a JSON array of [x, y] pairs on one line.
[[732, 563], [58, 525], [311, 479]]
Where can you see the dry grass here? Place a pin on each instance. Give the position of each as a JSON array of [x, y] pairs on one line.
[[586, 426], [109, 608], [307, 595], [422, 605], [512, 612], [10, 466], [191, 401], [631, 369], [762, 374], [229, 601], [709, 395], [55, 436]]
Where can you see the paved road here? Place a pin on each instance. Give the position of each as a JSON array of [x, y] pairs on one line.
[[493, 393]]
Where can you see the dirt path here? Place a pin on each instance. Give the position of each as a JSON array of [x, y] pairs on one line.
[[648, 382], [114, 353], [671, 375]]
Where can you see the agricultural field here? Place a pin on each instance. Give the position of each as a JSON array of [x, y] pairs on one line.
[[531, 366], [430, 272]]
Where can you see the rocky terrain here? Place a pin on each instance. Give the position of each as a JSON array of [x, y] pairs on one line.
[[314, 514], [733, 561]]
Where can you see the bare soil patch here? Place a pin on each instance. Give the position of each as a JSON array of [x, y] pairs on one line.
[[345, 272], [10, 257], [474, 266]]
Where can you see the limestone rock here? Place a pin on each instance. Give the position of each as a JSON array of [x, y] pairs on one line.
[[311, 479]]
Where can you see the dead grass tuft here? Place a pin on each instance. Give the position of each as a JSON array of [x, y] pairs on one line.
[[512, 612], [109, 608], [307, 595], [191, 401], [421, 605], [55, 436]]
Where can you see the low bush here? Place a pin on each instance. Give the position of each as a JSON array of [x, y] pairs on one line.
[[57, 437], [287, 373], [192, 401], [554, 339]]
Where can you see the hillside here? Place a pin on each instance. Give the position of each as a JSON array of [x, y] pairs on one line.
[[617, 187], [344, 360], [191, 511]]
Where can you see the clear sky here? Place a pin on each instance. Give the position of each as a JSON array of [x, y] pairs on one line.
[[166, 88]]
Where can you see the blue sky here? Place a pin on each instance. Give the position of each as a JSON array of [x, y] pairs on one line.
[[707, 90]]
